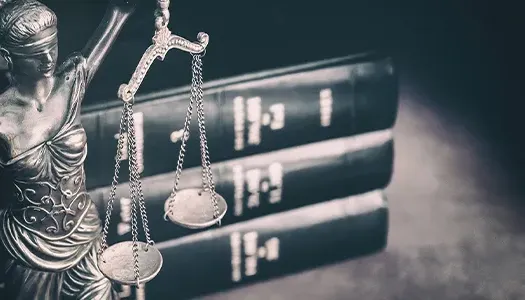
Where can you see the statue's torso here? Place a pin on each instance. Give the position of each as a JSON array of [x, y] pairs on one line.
[[42, 160]]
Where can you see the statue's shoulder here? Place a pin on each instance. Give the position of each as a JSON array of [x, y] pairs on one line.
[[74, 62]]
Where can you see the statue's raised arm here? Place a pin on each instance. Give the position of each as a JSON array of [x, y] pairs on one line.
[[105, 35]]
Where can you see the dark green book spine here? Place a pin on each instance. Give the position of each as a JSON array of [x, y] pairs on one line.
[[267, 183], [268, 247]]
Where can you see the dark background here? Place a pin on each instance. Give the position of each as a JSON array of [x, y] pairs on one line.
[[470, 50], [465, 43]]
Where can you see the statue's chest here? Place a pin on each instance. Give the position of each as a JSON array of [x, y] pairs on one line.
[[24, 127]]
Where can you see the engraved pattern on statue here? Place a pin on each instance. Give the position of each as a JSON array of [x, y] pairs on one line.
[[54, 209]]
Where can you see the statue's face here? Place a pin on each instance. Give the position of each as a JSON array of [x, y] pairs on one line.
[[38, 56]]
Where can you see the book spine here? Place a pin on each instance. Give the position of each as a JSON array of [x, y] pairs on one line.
[[250, 117], [268, 247], [264, 184]]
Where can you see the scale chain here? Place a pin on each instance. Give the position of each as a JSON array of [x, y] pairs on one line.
[[135, 176], [205, 155], [163, 41], [199, 95], [182, 150], [136, 195], [114, 183], [196, 95], [133, 192]]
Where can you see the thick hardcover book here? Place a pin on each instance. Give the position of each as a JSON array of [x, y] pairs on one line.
[[267, 183], [269, 247], [249, 115]]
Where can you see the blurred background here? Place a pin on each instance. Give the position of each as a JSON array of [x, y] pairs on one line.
[[433, 204]]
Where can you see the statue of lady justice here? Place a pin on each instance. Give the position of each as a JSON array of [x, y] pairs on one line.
[[50, 228]]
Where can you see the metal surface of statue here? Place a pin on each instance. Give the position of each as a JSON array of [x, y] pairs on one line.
[[50, 228]]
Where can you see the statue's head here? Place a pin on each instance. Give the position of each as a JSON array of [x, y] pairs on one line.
[[28, 37]]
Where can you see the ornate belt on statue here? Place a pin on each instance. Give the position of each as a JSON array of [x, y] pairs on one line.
[[52, 211]]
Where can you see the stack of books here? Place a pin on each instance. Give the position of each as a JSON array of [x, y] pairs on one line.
[[300, 154]]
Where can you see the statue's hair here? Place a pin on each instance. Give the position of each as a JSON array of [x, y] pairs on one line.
[[21, 19]]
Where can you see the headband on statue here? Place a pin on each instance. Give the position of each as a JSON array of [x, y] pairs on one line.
[[10, 12], [34, 47]]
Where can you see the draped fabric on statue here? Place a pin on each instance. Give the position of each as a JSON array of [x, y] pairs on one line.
[[52, 227], [83, 281]]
